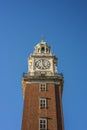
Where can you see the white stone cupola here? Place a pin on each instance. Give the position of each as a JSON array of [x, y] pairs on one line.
[[42, 48]]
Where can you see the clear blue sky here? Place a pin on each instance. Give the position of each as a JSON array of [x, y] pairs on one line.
[[64, 25]]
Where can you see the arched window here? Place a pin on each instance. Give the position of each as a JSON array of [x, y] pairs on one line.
[[42, 49], [47, 50]]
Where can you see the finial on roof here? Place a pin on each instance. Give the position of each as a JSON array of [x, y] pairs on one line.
[[42, 38]]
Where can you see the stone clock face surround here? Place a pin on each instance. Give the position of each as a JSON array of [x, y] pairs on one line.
[[42, 64]]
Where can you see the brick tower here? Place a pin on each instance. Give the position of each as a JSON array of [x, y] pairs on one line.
[[42, 91]]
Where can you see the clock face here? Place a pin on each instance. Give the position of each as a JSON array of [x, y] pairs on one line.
[[42, 64]]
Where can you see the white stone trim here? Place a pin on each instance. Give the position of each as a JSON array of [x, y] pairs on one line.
[[52, 82]]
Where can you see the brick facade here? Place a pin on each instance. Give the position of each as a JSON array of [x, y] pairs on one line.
[[32, 111]]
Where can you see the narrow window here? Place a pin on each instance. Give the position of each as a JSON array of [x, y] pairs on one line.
[[43, 123], [43, 103], [42, 87]]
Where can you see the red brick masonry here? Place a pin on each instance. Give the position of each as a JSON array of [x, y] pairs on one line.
[[32, 111]]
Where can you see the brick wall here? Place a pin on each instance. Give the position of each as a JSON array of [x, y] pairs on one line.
[[32, 112]]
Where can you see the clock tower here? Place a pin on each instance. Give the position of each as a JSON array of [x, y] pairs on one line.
[[42, 91]]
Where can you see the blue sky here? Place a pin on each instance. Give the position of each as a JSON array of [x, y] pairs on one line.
[[64, 25]]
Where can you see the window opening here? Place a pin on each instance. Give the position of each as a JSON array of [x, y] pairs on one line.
[[43, 103], [42, 87], [42, 49], [43, 123]]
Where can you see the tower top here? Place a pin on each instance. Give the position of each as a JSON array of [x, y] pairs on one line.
[[42, 61], [42, 48]]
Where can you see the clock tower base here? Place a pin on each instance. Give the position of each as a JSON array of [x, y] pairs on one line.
[[32, 110]]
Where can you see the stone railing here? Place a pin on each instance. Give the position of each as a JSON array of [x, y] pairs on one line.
[[37, 74]]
